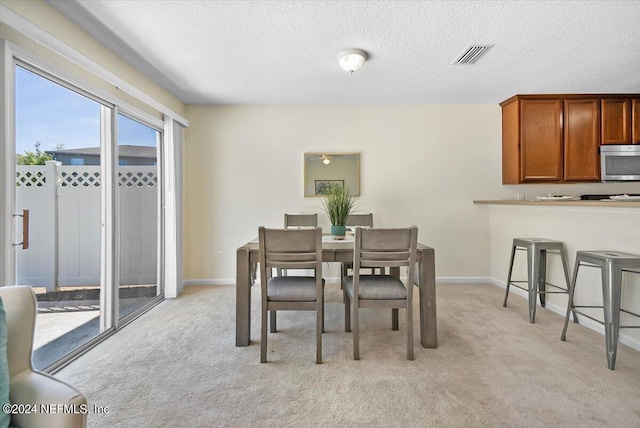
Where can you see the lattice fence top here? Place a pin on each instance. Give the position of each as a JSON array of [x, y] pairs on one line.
[[30, 178], [86, 176], [80, 178], [138, 179]]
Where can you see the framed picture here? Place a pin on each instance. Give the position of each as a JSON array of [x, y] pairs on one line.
[[323, 186]]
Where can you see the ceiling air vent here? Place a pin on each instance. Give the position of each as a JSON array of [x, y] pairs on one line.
[[471, 54]]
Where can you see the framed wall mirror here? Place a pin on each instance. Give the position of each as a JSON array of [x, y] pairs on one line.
[[323, 170]]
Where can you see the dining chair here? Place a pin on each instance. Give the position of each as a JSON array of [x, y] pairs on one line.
[[295, 249], [381, 248], [293, 221], [300, 220], [364, 220]]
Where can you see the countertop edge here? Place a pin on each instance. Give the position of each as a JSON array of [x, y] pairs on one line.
[[576, 203]]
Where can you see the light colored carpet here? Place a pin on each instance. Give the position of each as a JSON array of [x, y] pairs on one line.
[[178, 366]]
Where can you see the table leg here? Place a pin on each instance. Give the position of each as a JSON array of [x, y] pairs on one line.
[[427, 287], [243, 298]]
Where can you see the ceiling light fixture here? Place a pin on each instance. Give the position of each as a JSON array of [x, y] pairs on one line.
[[351, 59], [326, 159]]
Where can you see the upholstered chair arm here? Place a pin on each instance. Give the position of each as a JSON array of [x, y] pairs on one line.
[[57, 404]]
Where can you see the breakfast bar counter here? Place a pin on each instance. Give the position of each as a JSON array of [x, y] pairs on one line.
[[568, 203]]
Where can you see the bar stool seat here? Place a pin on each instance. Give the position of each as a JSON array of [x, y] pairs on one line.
[[537, 249], [612, 264]]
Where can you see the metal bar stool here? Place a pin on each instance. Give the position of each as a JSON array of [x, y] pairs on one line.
[[612, 265], [537, 250]]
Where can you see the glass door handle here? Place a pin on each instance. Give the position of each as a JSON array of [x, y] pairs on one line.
[[25, 229]]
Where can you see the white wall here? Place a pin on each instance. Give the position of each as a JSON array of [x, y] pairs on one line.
[[421, 164]]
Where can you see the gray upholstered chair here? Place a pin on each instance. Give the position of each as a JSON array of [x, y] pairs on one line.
[[353, 220], [29, 386], [300, 221], [294, 249], [293, 221], [364, 220], [387, 248]]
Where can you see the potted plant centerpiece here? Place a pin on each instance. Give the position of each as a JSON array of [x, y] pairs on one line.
[[338, 204]]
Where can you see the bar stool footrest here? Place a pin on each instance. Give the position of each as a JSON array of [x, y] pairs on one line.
[[515, 284], [602, 322]]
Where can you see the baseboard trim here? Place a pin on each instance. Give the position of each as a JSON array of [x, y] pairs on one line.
[[463, 280], [209, 281], [584, 321]]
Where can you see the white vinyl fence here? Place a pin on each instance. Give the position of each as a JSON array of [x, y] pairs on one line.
[[64, 230]]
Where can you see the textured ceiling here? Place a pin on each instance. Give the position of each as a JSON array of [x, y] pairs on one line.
[[284, 52]]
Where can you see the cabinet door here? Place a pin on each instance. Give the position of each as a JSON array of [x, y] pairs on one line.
[[581, 139], [511, 143], [635, 113], [541, 140], [616, 121]]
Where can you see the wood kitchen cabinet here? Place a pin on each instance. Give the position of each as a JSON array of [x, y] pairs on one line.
[[616, 121], [620, 120], [581, 126], [531, 140], [541, 140], [635, 119], [549, 138]]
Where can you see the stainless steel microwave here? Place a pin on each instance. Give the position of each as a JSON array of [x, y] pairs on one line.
[[620, 163]]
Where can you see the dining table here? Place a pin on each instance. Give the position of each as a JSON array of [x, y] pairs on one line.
[[334, 250]]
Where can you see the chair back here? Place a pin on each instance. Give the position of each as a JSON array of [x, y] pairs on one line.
[[386, 248], [20, 306], [300, 220], [365, 220], [290, 249]]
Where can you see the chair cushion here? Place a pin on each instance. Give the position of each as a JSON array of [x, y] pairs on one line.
[[292, 289], [4, 367], [377, 287]]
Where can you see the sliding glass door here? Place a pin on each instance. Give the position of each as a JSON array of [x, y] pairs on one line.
[[58, 196], [73, 176], [139, 213]]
